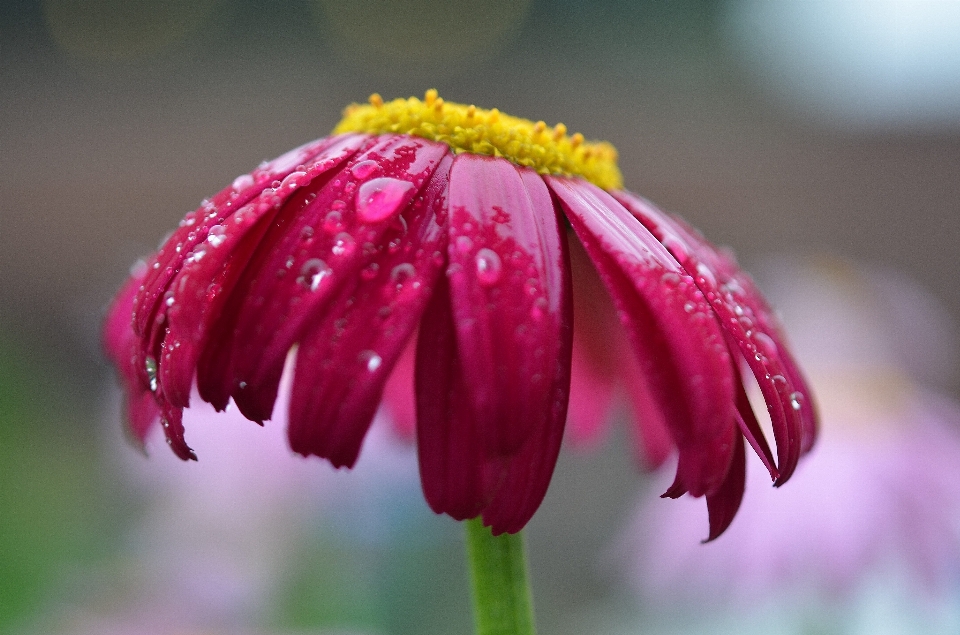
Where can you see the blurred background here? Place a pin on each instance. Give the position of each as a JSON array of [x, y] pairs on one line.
[[788, 130]]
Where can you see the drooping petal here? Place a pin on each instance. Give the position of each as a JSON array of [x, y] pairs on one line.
[[207, 276], [509, 290], [458, 478], [723, 504], [309, 253], [343, 363], [672, 330], [140, 408], [748, 322], [398, 394]]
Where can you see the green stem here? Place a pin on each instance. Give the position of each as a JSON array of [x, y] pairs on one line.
[[502, 603]]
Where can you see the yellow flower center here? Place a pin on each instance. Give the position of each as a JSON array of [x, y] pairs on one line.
[[471, 129]]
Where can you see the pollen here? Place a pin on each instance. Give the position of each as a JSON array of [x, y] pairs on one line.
[[490, 132]]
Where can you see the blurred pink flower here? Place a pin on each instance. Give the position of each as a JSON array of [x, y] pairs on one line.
[[345, 247], [878, 494]]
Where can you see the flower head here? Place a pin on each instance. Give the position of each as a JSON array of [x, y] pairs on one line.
[[447, 222]]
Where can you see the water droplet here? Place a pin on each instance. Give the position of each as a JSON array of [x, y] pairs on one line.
[[796, 400], [379, 199], [364, 169], [196, 255], [370, 271], [706, 275], [539, 308], [370, 360], [464, 244], [292, 181], [689, 307], [401, 273], [780, 380], [333, 222], [765, 344], [306, 233], [168, 298], [313, 273], [242, 182], [343, 244], [217, 235], [489, 267], [337, 204], [670, 278], [151, 367]]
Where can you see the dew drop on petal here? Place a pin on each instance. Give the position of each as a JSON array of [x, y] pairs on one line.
[[401, 273], [370, 271], [489, 267], [242, 182], [364, 169], [343, 244], [313, 273], [217, 235], [379, 199], [333, 222], [464, 244], [151, 367], [765, 344], [796, 400], [370, 360]]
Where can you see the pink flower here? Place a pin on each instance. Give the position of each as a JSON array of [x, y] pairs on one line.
[[448, 222]]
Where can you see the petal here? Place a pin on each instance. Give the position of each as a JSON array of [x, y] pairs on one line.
[[458, 478], [398, 395], [309, 253], [749, 324], [140, 407], [674, 334], [722, 505], [509, 289], [206, 278], [343, 364]]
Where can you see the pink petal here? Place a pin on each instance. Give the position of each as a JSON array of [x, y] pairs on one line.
[[305, 259], [458, 478], [342, 364], [509, 292], [722, 505], [674, 334], [140, 408], [751, 326], [398, 395]]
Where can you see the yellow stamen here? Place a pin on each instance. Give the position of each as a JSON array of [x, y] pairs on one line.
[[471, 129]]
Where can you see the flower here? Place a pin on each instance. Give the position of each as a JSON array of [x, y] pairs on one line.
[[446, 221]]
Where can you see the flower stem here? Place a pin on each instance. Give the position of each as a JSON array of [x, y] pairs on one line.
[[502, 603]]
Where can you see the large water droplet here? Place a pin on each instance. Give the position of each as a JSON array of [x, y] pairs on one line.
[[242, 182], [217, 235], [464, 244], [765, 344], [313, 273], [364, 169], [379, 199], [370, 271], [489, 267], [370, 360]]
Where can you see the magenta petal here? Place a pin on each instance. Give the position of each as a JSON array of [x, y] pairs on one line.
[[343, 364], [171, 418], [509, 280], [457, 477], [677, 340], [140, 407], [312, 251], [749, 323], [722, 505], [591, 398]]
